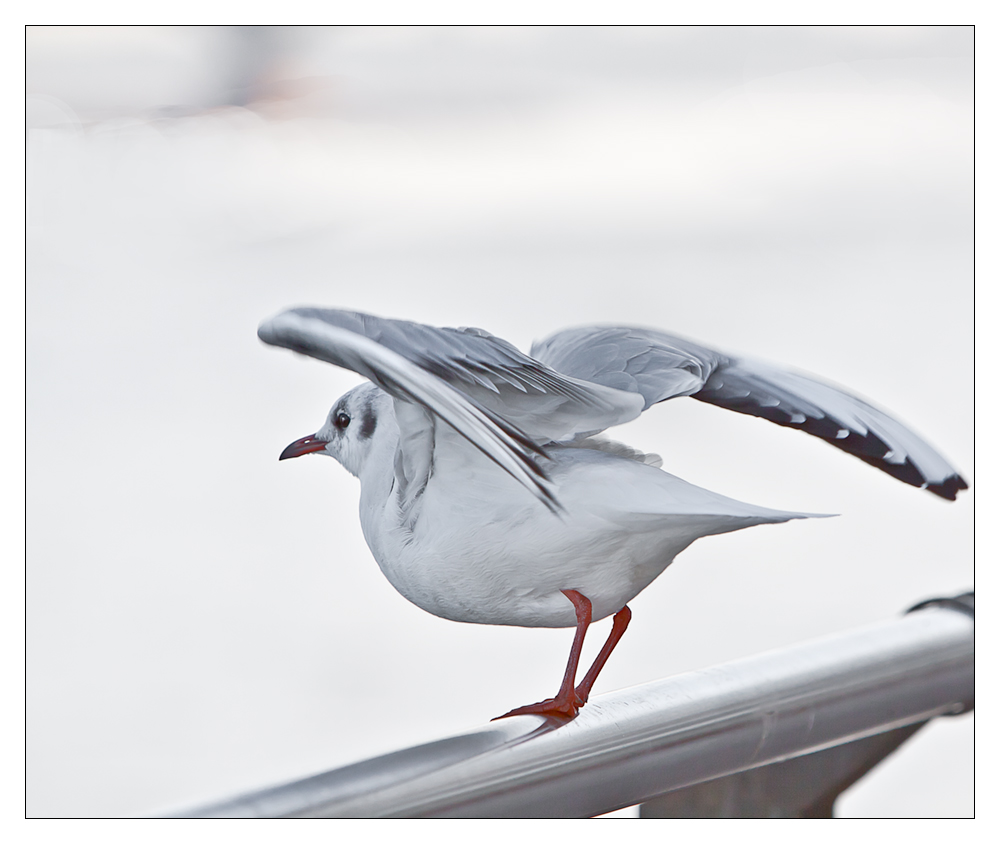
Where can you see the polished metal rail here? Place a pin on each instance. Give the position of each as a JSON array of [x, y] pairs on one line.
[[631, 745]]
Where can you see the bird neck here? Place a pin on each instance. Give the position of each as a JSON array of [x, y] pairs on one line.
[[377, 473]]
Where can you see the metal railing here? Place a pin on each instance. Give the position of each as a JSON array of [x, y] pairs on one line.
[[632, 745]]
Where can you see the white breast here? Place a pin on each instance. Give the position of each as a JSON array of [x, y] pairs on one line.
[[483, 550]]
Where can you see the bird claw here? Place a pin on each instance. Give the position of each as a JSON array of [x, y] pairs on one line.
[[562, 707], [553, 707]]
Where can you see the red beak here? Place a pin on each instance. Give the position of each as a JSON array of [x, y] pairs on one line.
[[304, 446]]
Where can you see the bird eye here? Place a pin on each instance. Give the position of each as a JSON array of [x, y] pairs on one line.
[[342, 420]]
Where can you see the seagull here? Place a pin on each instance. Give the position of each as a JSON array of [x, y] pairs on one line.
[[487, 494]]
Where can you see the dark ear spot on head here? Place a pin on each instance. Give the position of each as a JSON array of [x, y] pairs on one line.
[[368, 423]]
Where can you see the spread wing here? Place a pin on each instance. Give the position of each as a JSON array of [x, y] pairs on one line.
[[501, 401], [659, 366]]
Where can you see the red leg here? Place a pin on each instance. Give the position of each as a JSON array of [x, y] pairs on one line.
[[618, 628], [564, 704]]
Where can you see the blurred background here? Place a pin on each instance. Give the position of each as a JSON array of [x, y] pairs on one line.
[[203, 620]]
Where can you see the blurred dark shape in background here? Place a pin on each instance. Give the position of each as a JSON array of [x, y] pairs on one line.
[[167, 71], [393, 72], [263, 63]]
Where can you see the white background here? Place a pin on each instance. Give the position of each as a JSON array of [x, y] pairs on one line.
[[202, 620]]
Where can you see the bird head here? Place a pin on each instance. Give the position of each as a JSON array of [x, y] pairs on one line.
[[349, 430]]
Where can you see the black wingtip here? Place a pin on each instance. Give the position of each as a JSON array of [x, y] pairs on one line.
[[948, 488]]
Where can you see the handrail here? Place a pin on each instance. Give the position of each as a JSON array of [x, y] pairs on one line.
[[631, 745]]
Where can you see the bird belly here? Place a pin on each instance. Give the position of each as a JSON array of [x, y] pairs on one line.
[[479, 548], [481, 566]]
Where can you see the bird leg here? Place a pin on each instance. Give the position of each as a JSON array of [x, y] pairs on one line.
[[564, 704], [618, 628]]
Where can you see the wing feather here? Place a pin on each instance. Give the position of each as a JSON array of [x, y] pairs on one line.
[[509, 448], [544, 405], [659, 366], [503, 402], [835, 416]]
